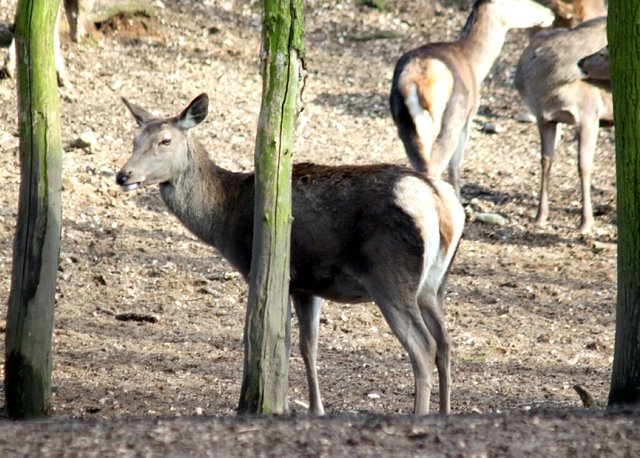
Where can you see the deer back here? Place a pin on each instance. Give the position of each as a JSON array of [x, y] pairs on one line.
[[548, 77]]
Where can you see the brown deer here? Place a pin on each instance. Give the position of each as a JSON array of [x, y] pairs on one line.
[[550, 83], [436, 88], [379, 232], [77, 15]]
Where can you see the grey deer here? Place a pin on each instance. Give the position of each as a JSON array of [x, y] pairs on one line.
[[551, 84], [378, 232], [435, 90]]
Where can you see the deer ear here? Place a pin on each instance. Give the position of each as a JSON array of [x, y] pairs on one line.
[[141, 115], [195, 113]]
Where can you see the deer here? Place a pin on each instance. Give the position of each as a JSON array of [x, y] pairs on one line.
[[77, 12], [382, 233], [550, 83], [435, 91]]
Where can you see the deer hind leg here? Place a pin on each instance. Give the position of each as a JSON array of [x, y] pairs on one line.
[[400, 310], [432, 315], [587, 140], [78, 17], [456, 159], [308, 313], [548, 134], [431, 303], [9, 67], [61, 71], [446, 146], [418, 151]]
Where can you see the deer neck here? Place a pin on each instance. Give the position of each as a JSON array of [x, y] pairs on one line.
[[481, 41], [198, 194]]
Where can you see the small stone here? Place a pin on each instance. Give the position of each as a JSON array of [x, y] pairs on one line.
[[491, 128], [6, 138], [525, 116], [596, 247], [86, 140], [69, 183], [134, 316], [491, 218]]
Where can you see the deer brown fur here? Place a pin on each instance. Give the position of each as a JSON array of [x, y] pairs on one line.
[[435, 90], [382, 233]]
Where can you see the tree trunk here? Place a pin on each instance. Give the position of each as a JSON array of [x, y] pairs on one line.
[[37, 239], [624, 47], [267, 326]]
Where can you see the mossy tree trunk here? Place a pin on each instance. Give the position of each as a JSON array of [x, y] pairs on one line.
[[267, 326], [624, 45], [37, 239]]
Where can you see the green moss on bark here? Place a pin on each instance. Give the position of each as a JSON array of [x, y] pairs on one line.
[[267, 327], [37, 238]]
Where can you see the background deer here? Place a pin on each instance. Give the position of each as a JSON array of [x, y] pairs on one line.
[[570, 13], [380, 232], [550, 83], [436, 88], [77, 15]]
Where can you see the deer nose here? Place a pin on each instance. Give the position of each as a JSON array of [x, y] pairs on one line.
[[122, 177], [580, 64]]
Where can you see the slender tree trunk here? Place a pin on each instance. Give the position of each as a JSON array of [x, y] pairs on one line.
[[37, 240], [624, 47], [267, 326]]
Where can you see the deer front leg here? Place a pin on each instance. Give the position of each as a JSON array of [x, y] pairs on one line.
[[548, 133], [308, 312], [587, 140]]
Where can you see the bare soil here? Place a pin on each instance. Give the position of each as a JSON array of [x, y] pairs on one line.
[[531, 310]]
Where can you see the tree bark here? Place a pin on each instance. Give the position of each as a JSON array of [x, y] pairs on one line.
[[624, 46], [267, 326], [37, 239]]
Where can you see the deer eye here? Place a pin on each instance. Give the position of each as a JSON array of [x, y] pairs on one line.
[[166, 142]]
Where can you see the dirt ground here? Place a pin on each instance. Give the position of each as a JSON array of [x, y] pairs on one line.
[[531, 310]]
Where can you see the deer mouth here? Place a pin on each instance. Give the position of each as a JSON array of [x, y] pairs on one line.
[[129, 187], [123, 180]]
